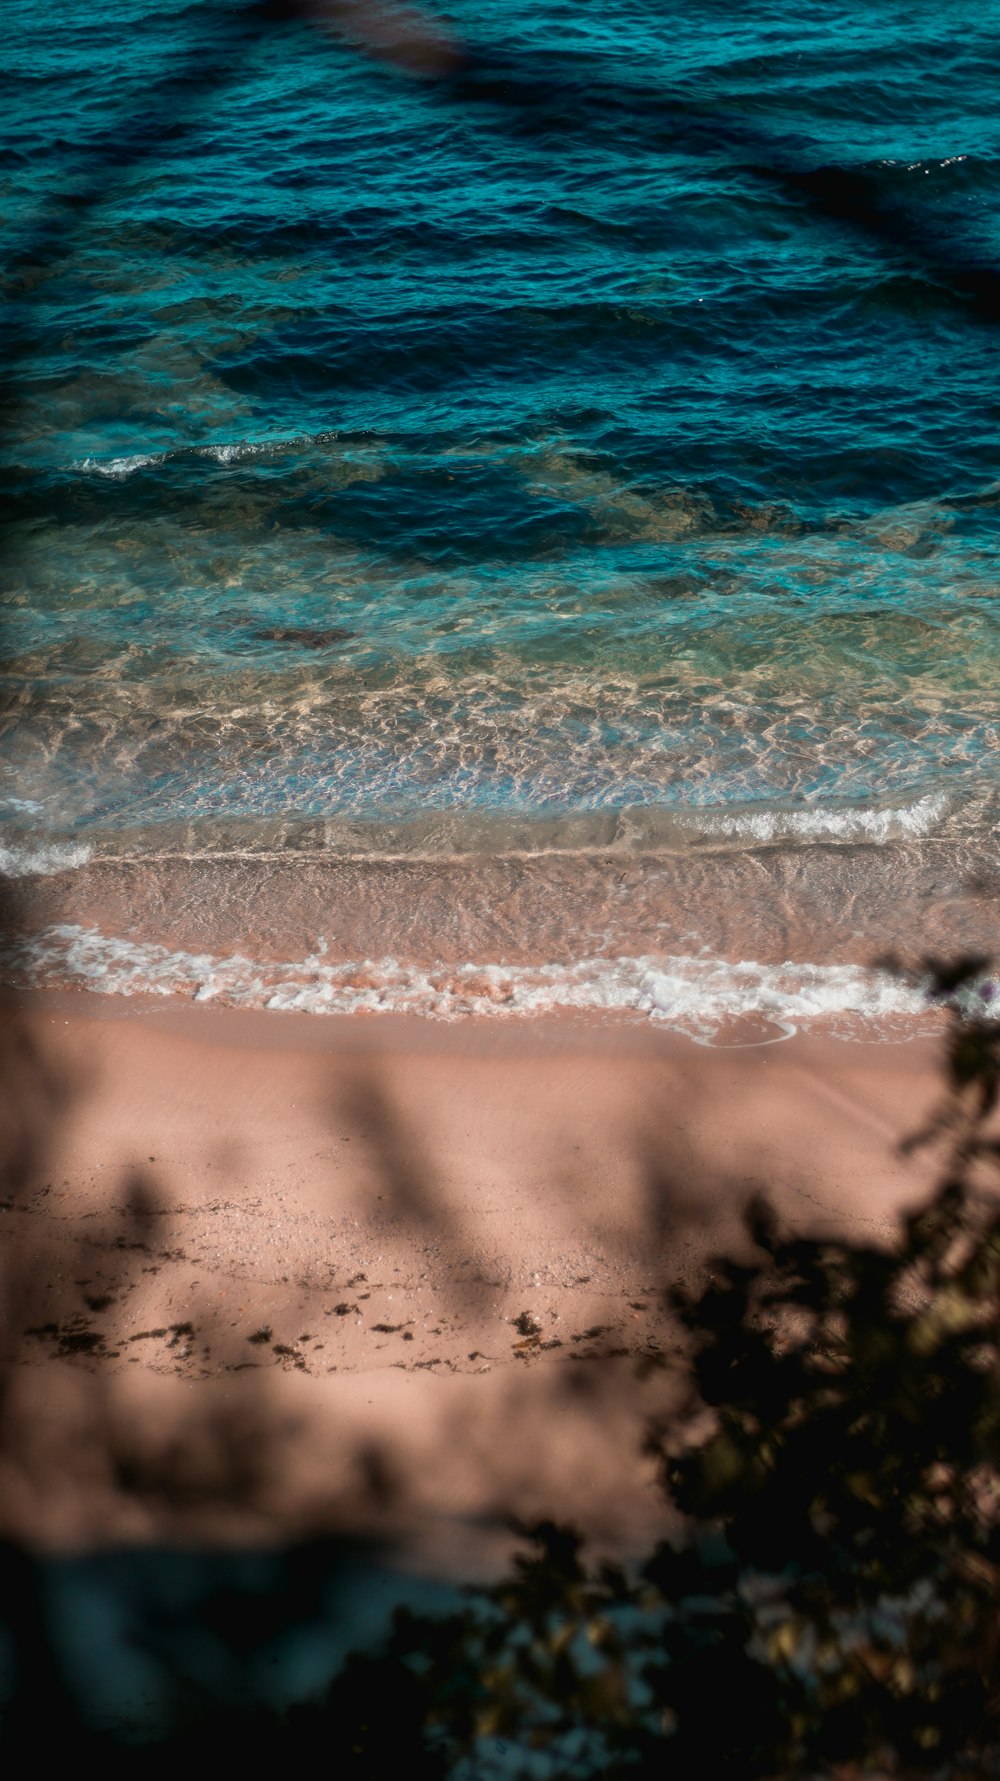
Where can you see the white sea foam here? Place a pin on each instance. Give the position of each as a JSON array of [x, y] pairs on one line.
[[229, 454], [141, 460], [694, 995], [827, 823], [125, 466], [25, 859], [232, 453], [248, 448]]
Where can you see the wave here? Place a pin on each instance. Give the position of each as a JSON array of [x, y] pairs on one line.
[[867, 823], [496, 834], [33, 859], [234, 453], [699, 996], [123, 466]]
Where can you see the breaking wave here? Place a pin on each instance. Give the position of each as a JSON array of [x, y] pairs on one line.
[[699, 996]]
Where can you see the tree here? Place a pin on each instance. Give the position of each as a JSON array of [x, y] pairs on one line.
[[833, 1606]]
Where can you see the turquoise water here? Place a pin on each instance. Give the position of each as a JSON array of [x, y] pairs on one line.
[[592, 449]]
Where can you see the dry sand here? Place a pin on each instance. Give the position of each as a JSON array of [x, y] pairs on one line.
[[266, 1274]]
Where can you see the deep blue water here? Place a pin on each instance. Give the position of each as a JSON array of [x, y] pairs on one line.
[[610, 426]]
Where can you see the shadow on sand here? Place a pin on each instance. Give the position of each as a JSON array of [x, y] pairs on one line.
[[822, 1415]]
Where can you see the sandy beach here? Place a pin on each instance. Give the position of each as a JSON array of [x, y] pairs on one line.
[[270, 1275]]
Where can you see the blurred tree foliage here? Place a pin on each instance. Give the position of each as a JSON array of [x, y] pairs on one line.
[[833, 1608]]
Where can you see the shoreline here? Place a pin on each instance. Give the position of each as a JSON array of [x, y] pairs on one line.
[[257, 1028], [779, 936], [269, 1276]]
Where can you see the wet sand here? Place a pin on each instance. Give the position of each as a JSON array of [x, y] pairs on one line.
[[267, 1275]]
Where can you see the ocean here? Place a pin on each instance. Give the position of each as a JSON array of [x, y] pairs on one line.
[[516, 540]]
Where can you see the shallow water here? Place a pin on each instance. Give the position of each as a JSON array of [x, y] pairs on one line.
[[588, 460]]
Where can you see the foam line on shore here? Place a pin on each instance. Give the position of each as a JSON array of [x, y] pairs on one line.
[[697, 995], [42, 859]]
